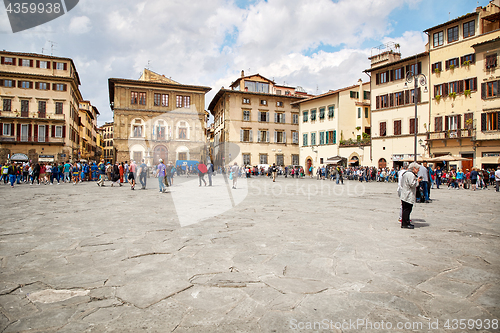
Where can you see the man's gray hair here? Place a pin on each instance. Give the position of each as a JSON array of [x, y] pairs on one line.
[[413, 165]]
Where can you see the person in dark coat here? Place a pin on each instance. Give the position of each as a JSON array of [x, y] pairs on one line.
[[115, 175]]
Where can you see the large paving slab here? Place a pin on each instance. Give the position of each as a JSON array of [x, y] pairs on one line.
[[295, 255]]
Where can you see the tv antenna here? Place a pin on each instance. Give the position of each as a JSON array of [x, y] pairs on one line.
[[52, 44], [149, 62]]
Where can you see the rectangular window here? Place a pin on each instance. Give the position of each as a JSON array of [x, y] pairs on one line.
[[263, 116], [321, 113], [468, 59], [384, 77], [491, 61], [137, 131], [41, 133], [263, 102], [304, 139], [43, 64], [60, 87], [355, 94], [383, 128], [331, 111], [164, 100], [142, 98], [471, 84], [412, 125], [134, 97], [58, 132], [313, 114], [359, 113], [491, 88], [321, 138], [438, 124], [414, 68], [305, 116], [313, 138], [279, 104], [492, 121], [469, 29], [263, 158], [438, 38], [24, 132], [397, 127], [295, 118], [452, 124], [246, 100], [295, 159], [157, 100], [263, 136], [25, 108], [366, 113], [26, 63], [366, 94], [43, 86], [7, 104], [9, 61], [280, 159], [398, 74], [279, 117], [279, 137], [26, 84], [453, 87], [246, 135], [60, 65], [331, 137], [295, 137], [8, 83], [6, 130], [438, 90], [59, 108], [452, 34], [437, 67], [246, 115], [246, 159], [42, 108]]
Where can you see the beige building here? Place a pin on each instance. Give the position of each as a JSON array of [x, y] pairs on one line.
[[157, 118], [465, 102], [40, 100], [108, 149], [259, 117], [393, 107], [88, 131], [335, 127]]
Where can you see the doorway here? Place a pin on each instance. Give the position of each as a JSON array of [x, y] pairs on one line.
[[308, 165], [160, 152]]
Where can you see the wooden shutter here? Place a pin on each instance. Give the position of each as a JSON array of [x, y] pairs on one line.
[[447, 64], [446, 127], [38, 64], [1, 128], [53, 131], [31, 85], [419, 69], [438, 124], [377, 77], [2, 83], [419, 97], [64, 131], [407, 97], [382, 128], [275, 117], [35, 131], [460, 86], [65, 87], [377, 102], [391, 75], [250, 136], [498, 120], [433, 67], [483, 122], [474, 84], [483, 90], [445, 89], [65, 66], [407, 68], [391, 101], [459, 121], [48, 64], [53, 86], [3, 61], [495, 88], [37, 85], [19, 84], [462, 59], [334, 141], [258, 135], [18, 131], [54, 65], [267, 136], [31, 62], [46, 133], [20, 63], [30, 126], [275, 137], [412, 125]]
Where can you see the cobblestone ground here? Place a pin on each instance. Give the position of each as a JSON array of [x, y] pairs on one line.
[[291, 254]]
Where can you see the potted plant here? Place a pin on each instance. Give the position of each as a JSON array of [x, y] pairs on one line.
[[437, 70], [438, 97], [358, 128], [452, 67], [466, 63], [453, 95], [467, 92]]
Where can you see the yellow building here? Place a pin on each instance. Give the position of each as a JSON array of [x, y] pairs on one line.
[[393, 106], [259, 117], [157, 118], [108, 149], [88, 131], [465, 104], [335, 127], [40, 99]]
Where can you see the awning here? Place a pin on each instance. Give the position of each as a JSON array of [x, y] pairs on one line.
[[335, 159], [353, 161], [490, 160], [19, 158]]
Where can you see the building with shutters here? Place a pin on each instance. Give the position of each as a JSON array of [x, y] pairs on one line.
[[108, 150], [464, 75], [335, 127], [88, 132], [393, 107], [39, 107], [157, 118], [258, 116]]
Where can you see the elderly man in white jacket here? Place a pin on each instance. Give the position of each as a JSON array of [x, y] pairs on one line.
[[408, 194]]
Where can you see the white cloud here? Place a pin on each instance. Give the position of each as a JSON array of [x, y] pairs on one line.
[[80, 25]]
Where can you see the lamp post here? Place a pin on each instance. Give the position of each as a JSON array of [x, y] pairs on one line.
[[419, 80]]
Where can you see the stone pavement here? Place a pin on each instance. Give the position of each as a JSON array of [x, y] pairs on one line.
[[290, 255]]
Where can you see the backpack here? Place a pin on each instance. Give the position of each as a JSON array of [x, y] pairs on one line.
[[102, 168]]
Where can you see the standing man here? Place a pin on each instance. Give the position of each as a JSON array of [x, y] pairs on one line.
[[12, 173], [126, 172], [161, 173], [424, 184], [102, 172], [274, 170], [234, 171], [438, 173], [67, 166], [143, 174], [210, 171], [131, 174], [497, 178], [408, 193]]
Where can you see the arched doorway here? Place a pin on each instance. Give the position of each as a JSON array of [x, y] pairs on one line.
[[382, 163], [354, 161], [160, 152], [309, 163]]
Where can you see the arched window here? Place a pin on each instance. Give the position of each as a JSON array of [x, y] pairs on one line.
[[137, 128], [183, 130]]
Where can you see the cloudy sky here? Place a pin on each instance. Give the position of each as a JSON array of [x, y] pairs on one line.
[[316, 44]]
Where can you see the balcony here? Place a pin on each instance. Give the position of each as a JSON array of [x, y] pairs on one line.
[[32, 115], [450, 134], [30, 139]]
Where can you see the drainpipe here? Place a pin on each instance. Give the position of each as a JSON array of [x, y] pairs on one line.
[[428, 144], [371, 127]]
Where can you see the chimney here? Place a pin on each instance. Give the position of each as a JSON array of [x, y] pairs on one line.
[[242, 73]]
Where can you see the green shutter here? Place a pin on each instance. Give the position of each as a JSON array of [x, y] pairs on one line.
[[334, 137]]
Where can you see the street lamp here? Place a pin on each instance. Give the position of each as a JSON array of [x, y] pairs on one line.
[[418, 80]]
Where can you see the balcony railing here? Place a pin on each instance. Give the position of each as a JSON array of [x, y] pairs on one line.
[[31, 139], [450, 134], [35, 114]]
